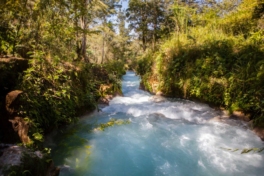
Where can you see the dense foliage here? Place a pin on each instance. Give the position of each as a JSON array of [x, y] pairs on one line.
[[215, 55], [57, 92], [208, 50], [72, 51]]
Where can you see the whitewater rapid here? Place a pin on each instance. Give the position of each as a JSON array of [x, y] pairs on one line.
[[164, 137]]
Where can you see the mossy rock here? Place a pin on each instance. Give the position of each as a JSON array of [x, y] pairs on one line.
[[20, 161]]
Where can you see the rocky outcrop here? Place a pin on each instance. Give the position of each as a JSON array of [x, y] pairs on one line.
[[18, 123], [10, 70], [17, 159], [259, 132]]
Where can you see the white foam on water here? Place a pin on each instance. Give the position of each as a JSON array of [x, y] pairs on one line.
[[165, 137]]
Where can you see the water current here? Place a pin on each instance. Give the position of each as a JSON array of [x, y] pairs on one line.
[[171, 137]]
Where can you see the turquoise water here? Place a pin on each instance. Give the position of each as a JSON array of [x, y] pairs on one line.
[[164, 137]]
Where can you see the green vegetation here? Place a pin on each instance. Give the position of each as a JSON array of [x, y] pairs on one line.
[[244, 151], [72, 54], [74, 146], [215, 54], [110, 123], [74, 57], [56, 93]]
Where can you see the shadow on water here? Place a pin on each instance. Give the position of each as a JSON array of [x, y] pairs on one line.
[[71, 146], [71, 149]]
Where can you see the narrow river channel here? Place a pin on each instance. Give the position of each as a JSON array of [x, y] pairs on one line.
[[171, 137]]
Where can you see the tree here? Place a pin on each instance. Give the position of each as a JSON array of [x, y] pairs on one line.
[[137, 14], [149, 19], [54, 27]]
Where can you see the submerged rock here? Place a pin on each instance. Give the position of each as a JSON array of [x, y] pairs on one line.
[[154, 117], [158, 98]]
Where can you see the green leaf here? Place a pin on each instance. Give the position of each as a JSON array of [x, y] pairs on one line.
[[246, 151], [48, 160], [38, 136], [56, 77], [235, 150]]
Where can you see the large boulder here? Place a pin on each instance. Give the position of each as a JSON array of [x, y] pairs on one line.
[[23, 161]]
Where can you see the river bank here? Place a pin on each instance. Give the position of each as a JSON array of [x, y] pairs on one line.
[[38, 95], [225, 113]]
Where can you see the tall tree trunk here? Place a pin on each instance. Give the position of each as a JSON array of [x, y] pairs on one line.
[[144, 41], [155, 26], [84, 38], [84, 26], [103, 51]]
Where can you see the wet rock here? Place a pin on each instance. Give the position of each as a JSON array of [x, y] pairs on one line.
[[10, 155], [240, 115], [13, 160], [156, 117], [158, 98], [159, 93], [259, 132], [228, 120], [161, 118], [215, 119]]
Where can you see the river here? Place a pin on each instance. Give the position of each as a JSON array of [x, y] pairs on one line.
[[164, 137]]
